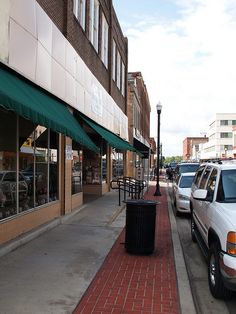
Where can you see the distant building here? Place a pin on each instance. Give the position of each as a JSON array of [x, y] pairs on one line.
[[234, 141], [221, 136], [138, 112], [191, 147]]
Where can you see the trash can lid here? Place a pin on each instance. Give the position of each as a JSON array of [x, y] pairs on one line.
[[141, 202]]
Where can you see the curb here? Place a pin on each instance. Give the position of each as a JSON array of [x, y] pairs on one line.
[[185, 295]]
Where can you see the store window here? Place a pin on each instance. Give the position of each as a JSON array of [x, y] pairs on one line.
[[117, 164], [104, 161], [76, 177], [91, 168], [28, 165]]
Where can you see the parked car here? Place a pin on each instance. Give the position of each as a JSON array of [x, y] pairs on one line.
[[184, 167], [8, 187], [213, 223], [182, 191]]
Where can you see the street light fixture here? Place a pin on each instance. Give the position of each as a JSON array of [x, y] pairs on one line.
[[157, 192]]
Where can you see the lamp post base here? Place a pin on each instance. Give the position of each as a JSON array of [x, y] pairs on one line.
[[157, 192]]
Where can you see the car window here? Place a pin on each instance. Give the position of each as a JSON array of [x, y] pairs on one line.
[[227, 186], [204, 178], [198, 176], [10, 176], [188, 168], [21, 177], [186, 181], [211, 183]]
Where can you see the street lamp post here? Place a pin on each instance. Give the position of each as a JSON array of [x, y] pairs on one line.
[[157, 192]]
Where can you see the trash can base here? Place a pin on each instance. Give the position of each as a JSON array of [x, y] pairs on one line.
[[138, 251]]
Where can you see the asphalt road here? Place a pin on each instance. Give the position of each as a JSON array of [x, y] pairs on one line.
[[197, 271]]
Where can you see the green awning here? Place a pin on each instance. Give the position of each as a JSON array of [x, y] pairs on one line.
[[114, 140], [33, 103]]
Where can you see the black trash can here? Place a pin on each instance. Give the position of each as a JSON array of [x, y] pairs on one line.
[[140, 226]]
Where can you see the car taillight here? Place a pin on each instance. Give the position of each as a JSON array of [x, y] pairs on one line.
[[231, 243]]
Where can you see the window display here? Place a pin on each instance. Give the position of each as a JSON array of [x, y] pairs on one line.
[[91, 168], [117, 164], [28, 165], [77, 171]]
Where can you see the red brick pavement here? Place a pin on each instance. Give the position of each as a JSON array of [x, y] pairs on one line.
[[136, 284]]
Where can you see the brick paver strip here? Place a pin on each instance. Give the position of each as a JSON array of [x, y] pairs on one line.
[[136, 283]]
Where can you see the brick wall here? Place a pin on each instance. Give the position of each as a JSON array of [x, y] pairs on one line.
[[61, 13]]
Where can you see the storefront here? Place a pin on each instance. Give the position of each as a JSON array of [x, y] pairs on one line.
[[35, 160], [50, 156]]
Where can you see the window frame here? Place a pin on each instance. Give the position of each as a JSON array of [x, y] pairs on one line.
[[114, 60], [79, 10], [104, 41], [94, 23]]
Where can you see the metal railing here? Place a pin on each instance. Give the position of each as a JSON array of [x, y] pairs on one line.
[[130, 187]]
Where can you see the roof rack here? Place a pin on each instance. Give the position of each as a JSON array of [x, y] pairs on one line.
[[221, 160]]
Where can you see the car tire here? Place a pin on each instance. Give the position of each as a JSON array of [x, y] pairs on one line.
[[193, 228], [216, 285], [177, 213]]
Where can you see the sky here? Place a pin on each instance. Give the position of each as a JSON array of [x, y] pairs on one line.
[[186, 52]]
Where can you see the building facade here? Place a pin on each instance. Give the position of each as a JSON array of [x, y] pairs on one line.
[[138, 112], [191, 146], [63, 95], [221, 139]]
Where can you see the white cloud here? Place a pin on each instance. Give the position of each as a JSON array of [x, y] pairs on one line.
[[190, 66]]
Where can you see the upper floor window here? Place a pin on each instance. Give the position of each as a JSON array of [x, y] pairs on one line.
[[226, 135], [79, 11], [114, 60], [104, 41], [118, 69], [224, 122], [123, 79], [93, 23]]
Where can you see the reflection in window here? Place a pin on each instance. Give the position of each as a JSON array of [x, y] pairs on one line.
[[91, 168], [117, 164], [76, 179], [31, 151], [104, 168], [8, 191]]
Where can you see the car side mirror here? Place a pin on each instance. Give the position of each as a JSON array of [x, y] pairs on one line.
[[200, 194]]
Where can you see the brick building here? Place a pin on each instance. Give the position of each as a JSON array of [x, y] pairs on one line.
[[138, 112], [192, 142], [63, 95]]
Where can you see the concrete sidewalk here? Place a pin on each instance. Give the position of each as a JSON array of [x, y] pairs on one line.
[[60, 269]]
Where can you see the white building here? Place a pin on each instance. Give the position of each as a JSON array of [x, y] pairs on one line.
[[220, 134]]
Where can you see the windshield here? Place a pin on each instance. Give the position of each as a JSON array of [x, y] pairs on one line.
[[227, 186], [188, 168], [186, 182]]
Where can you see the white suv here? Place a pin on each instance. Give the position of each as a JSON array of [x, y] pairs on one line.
[[213, 223]]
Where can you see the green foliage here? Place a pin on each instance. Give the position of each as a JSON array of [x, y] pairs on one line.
[[173, 158]]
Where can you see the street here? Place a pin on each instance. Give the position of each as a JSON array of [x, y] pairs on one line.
[[197, 270]]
